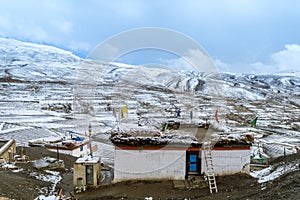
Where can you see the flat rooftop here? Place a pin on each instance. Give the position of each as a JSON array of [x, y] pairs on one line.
[[187, 135]]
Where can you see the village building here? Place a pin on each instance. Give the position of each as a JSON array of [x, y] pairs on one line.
[[87, 172], [76, 146], [173, 155], [7, 150], [76, 149]]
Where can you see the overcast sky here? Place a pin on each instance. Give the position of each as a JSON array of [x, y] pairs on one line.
[[248, 36]]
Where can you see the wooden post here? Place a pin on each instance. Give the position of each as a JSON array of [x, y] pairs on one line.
[[57, 153]]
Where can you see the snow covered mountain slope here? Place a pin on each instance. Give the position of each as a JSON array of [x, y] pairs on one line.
[[34, 62], [44, 92]]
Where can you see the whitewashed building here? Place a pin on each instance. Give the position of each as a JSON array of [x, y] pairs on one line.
[[175, 157], [71, 148], [75, 146]]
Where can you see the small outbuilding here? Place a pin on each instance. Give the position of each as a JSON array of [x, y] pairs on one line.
[[73, 145], [87, 172], [7, 150], [152, 155]]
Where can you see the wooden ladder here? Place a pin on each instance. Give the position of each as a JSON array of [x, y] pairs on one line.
[[210, 174]]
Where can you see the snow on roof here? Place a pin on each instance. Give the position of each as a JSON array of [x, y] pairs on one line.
[[153, 141], [135, 130], [134, 135], [6, 144], [88, 159], [144, 137], [50, 139], [60, 142], [223, 139]]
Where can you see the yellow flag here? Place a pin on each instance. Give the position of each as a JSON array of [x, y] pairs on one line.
[[124, 111]]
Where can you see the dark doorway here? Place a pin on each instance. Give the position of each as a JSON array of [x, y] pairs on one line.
[[193, 163], [90, 175]]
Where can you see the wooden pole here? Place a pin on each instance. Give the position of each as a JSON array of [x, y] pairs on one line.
[[57, 153]]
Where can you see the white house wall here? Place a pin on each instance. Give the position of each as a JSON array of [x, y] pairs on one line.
[[78, 153], [149, 164], [227, 162], [171, 164], [75, 152]]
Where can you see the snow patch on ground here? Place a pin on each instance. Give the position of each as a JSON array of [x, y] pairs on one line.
[[42, 197], [18, 170], [51, 176], [8, 166], [273, 172]]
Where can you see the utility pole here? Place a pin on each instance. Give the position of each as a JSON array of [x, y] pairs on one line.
[[57, 153], [90, 140]]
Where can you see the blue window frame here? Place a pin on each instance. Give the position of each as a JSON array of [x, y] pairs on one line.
[[193, 167], [193, 158]]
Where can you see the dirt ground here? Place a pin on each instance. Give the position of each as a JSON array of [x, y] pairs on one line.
[[240, 186], [229, 187], [234, 187], [20, 185]]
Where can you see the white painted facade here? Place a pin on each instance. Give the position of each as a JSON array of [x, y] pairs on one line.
[[149, 164], [76, 152], [133, 164], [231, 161]]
